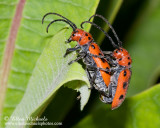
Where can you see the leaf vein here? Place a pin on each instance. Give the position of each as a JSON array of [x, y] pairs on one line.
[[32, 30], [27, 49]]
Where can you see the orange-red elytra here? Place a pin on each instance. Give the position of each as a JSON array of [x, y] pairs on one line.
[[101, 62], [122, 87]]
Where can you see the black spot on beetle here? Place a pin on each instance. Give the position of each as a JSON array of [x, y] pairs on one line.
[[93, 46], [120, 59], [73, 35], [116, 51], [103, 60], [89, 38], [86, 34], [129, 63], [121, 97], [121, 49], [107, 68], [124, 85], [109, 73], [129, 58], [80, 39], [125, 73]]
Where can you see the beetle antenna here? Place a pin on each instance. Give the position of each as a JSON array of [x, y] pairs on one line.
[[116, 46], [60, 20], [115, 34], [74, 27]]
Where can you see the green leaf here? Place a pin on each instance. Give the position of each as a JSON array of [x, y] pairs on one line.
[[30, 41], [140, 111], [47, 78]]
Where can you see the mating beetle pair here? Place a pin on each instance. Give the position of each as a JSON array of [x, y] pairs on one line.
[[108, 72]]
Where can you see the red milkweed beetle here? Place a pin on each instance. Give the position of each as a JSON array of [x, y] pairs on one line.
[[97, 67], [120, 61]]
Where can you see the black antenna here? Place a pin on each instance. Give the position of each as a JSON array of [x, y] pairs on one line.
[[60, 20], [116, 46], [66, 20], [115, 34]]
